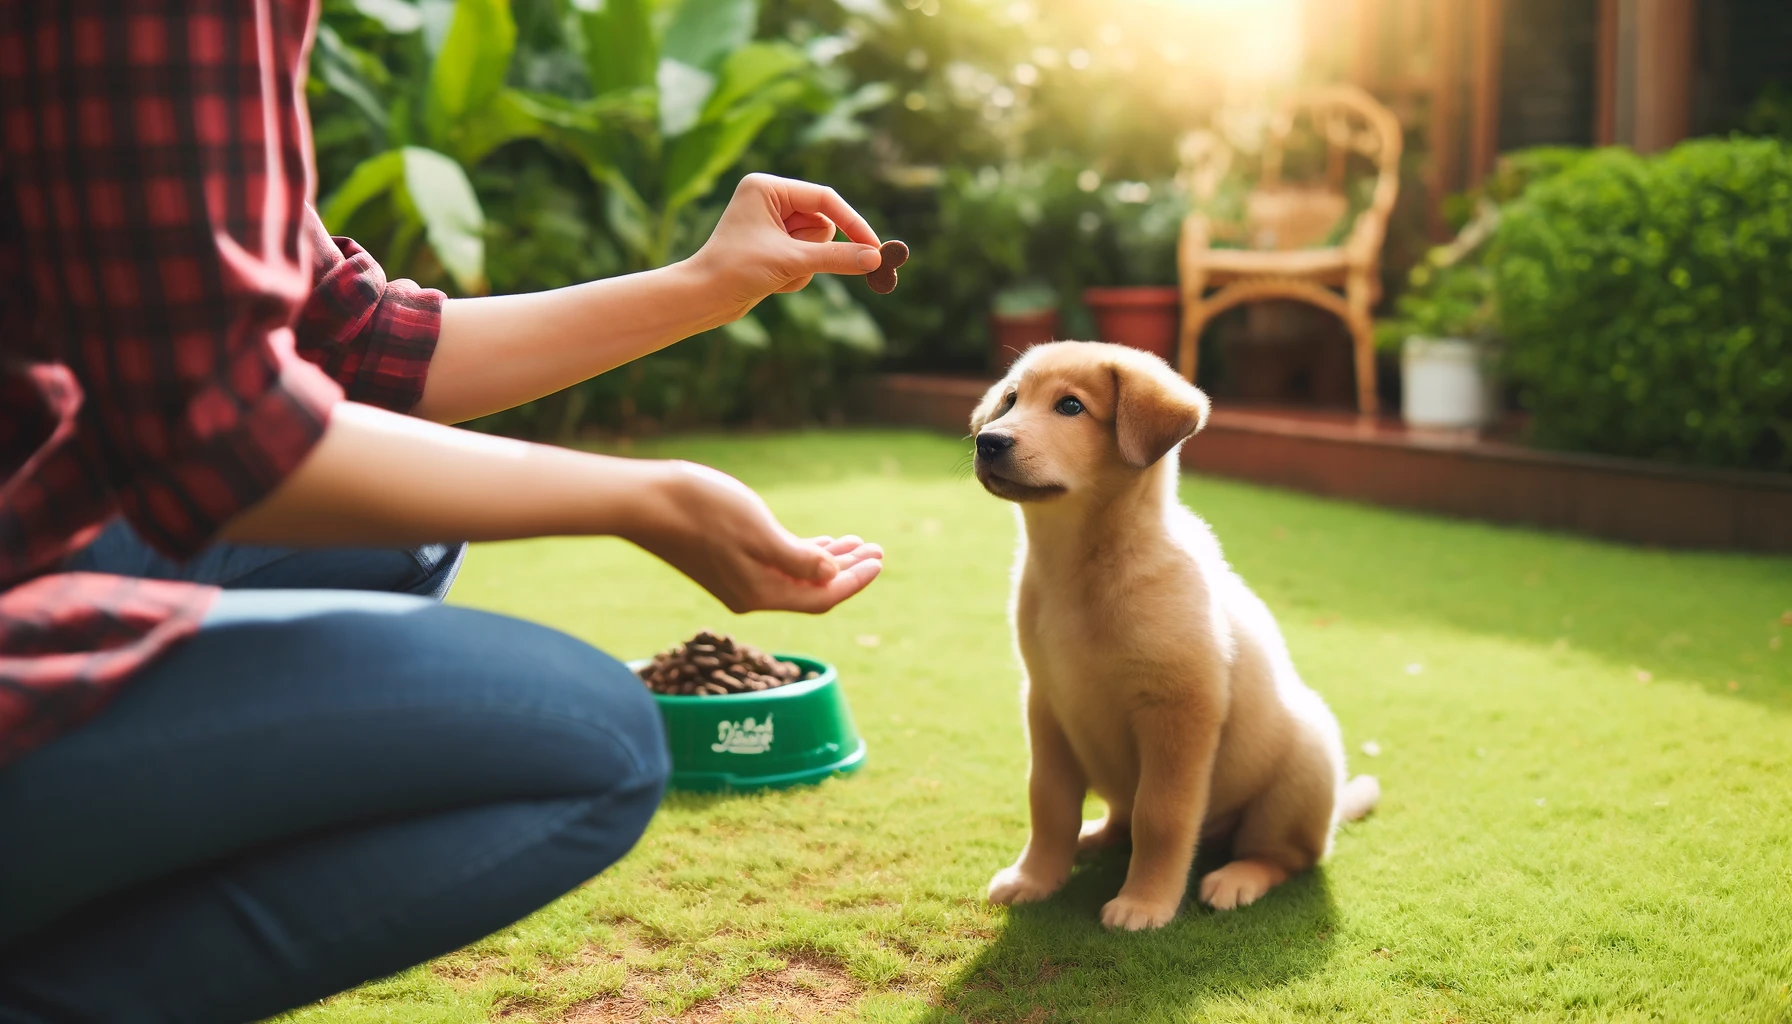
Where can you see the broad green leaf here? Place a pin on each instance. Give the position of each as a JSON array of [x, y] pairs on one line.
[[437, 15], [784, 95], [748, 332], [555, 110], [451, 215], [400, 124], [703, 32], [368, 66], [683, 92], [846, 321], [371, 178], [506, 118], [826, 309], [623, 109], [825, 50], [619, 45], [708, 150], [398, 16], [595, 132], [613, 111], [628, 217], [339, 66], [470, 69], [598, 151], [403, 246], [750, 69], [841, 122]]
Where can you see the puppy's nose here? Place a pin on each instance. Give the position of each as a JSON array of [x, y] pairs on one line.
[[990, 444]]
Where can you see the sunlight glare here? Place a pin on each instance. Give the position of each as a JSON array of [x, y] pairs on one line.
[[1247, 42]]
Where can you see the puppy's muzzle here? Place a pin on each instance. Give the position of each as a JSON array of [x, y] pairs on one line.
[[997, 472], [992, 447]]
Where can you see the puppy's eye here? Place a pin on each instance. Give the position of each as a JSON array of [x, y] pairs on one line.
[[1068, 406], [1008, 403]]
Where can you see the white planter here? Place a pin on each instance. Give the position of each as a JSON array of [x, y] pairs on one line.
[[1444, 383]]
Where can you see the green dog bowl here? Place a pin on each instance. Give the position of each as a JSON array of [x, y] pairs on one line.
[[785, 736]]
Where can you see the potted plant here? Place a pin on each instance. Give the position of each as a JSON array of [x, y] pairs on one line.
[[1445, 327], [1143, 309], [1444, 332], [1022, 315]]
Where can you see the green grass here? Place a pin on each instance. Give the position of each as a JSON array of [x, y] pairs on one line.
[[1586, 756]]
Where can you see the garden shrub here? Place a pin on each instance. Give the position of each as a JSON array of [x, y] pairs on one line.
[[1646, 303], [1450, 293]]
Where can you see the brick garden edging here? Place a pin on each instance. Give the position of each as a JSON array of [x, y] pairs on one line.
[[1454, 474]]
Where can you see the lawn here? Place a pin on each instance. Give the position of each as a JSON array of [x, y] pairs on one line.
[[1585, 749]]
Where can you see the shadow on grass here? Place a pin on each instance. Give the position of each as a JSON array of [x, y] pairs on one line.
[[1054, 962]]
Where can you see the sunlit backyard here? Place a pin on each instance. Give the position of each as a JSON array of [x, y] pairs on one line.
[[1586, 751], [1480, 313]]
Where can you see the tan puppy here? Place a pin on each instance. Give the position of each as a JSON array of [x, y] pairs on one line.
[[1154, 676]]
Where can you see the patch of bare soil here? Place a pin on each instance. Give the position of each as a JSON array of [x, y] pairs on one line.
[[808, 989]]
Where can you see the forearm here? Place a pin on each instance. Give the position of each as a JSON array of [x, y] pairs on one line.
[[504, 350], [379, 478], [775, 235]]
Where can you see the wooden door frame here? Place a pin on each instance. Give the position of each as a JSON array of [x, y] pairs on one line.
[[1660, 65]]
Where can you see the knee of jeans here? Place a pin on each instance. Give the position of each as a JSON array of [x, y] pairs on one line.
[[603, 691], [630, 703]]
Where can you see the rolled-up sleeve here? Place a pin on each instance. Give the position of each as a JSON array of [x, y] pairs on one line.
[[374, 337], [157, 156]]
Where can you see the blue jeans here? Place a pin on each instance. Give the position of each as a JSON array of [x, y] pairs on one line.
[[338, 777]]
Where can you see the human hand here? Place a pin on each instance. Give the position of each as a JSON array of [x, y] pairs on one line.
[[775, 235], [714, 529]]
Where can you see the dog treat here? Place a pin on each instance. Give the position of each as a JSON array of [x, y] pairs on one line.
[[713, 665], [883, 279]]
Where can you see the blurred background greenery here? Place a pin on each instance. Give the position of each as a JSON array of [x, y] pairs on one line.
[[1025, 150]]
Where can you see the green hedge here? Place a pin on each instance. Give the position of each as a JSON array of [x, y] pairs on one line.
[[1647, 304]]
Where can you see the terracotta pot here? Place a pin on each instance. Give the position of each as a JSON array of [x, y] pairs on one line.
[[1143, 317], [1013, 333]]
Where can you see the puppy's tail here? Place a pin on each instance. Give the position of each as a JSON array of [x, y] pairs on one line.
[[1359, 797]]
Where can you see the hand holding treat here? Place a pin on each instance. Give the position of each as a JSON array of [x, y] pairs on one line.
[[776, 234], [883, 279]]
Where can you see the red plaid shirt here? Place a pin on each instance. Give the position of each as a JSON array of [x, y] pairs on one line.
[[175, 322]]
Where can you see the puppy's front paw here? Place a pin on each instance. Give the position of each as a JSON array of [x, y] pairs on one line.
[[1013, 885], [1239, 883], [1131, 914]]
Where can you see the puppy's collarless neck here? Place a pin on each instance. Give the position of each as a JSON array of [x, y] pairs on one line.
[[1072, 525]]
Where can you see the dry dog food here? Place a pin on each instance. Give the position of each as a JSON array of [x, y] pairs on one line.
[[883, 279], [712, 665]]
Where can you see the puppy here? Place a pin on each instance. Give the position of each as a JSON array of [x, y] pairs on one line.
[[1154, 676]]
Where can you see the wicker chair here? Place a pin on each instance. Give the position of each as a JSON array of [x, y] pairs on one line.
[[1283, 224]]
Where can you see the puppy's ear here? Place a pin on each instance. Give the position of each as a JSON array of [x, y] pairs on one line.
[[1154, 410], [988, 408]]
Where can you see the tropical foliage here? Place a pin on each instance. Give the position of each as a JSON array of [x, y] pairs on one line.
[[629, 113], [444, 113], [520, 144]]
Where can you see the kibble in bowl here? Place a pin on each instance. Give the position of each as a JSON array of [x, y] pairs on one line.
[[738, 718], [715, 665]]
